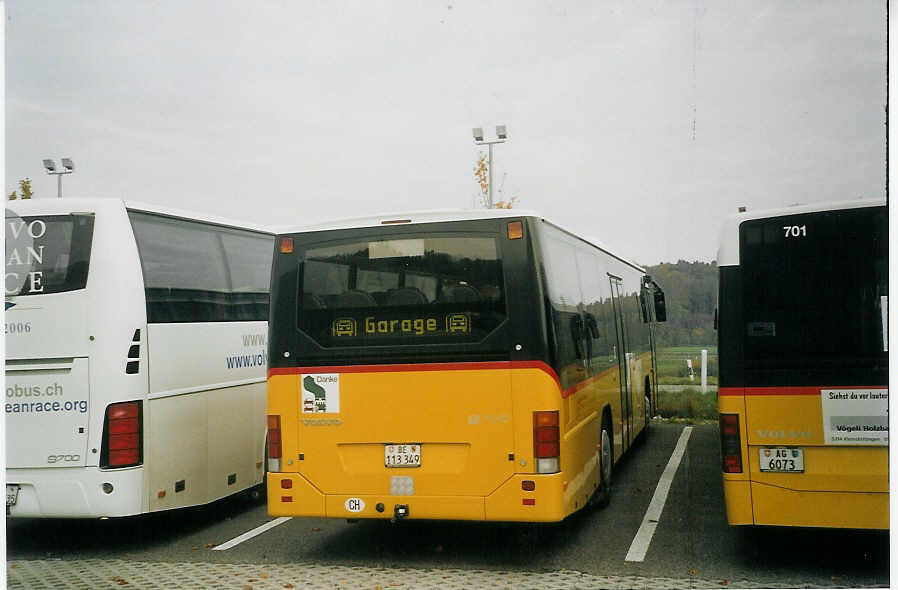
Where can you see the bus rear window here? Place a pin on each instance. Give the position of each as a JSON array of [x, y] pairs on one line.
[[409, 291], [815, 288], [47, 253]]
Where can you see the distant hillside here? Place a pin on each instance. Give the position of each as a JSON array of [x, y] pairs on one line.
[[690, 289]]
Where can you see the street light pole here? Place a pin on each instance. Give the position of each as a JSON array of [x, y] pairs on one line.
[[501, 135], [68, 167]]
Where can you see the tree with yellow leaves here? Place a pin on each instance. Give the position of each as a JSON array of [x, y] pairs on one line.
[[481, 175], [25, 187]]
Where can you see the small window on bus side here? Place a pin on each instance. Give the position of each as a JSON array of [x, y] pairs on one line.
[[198, 272], [248, 258]]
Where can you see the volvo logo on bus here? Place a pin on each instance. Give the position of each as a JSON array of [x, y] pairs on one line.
[[321, 422], [475, 419], [784, 433]]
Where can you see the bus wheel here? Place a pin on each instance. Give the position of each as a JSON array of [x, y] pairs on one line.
[[606, 454]]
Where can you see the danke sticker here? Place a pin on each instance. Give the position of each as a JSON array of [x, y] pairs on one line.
[[320, 393]]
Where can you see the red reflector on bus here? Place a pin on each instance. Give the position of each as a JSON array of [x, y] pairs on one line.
[[547, 450], [122, 444], [732, 464], [529, 501], [545, 418], [546, 441], [274, 436], [118, 442], [123, 457], [515, 230], [547, 434], [128, 425], [286, 498], [729, 424], [730, 443], [286, 245], [122, 411]]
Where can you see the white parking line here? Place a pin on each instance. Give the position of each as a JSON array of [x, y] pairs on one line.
[[640, 544], [249, 535]]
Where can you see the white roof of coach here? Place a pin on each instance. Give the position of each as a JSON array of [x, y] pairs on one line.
[[183, 214], [88, 204], [437, 216], [728, 251]]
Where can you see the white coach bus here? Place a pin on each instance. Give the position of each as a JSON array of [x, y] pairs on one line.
[[135, 357]]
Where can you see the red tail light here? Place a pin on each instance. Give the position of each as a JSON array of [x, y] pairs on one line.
[[122, 441], [274, 443], [730, 443], [546, 442]]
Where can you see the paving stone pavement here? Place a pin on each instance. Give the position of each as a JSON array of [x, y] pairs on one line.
[[90, 574]]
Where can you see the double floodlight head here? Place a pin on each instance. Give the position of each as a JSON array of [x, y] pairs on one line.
[[67, 164], [501, 134]]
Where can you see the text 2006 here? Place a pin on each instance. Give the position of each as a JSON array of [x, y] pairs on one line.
[[17, 327]]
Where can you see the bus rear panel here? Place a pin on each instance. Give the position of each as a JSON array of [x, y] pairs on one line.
[[803, 393], [412, 376]]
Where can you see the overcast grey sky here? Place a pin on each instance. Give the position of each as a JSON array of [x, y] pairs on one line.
[[640, 123]]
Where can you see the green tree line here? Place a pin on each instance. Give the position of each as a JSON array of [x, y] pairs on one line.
[[690, 290]]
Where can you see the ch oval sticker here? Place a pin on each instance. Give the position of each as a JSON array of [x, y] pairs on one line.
[[354, 504]]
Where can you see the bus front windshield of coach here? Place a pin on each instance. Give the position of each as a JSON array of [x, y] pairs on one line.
[[423, 289], [815, 292], [47, 253]]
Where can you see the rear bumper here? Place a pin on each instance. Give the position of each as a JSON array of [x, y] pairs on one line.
[[76, 492], [762, 504], [505, 504]]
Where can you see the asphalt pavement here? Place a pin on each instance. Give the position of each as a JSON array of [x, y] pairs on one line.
[[692, 545]]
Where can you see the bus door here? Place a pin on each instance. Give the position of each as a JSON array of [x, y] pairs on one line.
[[621, 347]]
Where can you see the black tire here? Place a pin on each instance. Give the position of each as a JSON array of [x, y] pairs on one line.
[[602, 496]]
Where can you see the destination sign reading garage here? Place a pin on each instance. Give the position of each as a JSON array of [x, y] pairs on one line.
[[390, 327]]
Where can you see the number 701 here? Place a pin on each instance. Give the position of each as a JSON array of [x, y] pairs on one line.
[[795, 231]]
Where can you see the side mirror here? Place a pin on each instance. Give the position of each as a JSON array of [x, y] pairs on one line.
[[660, 306], [592, 326]]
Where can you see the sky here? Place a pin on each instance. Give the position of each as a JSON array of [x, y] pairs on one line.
[[641, 123]]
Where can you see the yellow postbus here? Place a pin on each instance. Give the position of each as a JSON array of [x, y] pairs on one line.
[[471, 365], [803, 344]]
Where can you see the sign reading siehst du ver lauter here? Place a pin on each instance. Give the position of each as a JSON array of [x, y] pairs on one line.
[[855, 416]]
